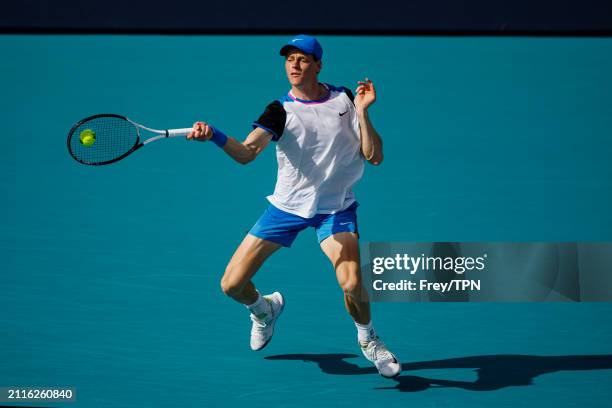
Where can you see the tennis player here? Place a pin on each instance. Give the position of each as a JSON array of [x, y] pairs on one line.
[[323, 136]]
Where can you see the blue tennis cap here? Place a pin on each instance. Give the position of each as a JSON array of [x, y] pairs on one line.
[[304, 43]]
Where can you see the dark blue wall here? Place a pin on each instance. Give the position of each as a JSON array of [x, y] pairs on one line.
[[315, 16]]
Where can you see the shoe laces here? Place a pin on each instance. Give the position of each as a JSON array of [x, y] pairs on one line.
[[259, 324], [380, 351]]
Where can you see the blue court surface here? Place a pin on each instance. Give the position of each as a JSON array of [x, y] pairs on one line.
[[110, 275]]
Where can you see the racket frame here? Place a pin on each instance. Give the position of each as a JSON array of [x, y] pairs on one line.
[[161, 134]]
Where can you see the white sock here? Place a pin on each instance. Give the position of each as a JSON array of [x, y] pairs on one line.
[[365, 333], [261, 307]]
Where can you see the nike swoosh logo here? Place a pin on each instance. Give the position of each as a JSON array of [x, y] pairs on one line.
[[344, 223], [341, 114], [297, 39]]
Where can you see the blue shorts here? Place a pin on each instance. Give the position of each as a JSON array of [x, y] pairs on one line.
[[282, 227]]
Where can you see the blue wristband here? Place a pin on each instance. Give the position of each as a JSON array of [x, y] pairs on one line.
[[218, 137]]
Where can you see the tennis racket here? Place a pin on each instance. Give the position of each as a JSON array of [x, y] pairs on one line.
[[107, 138]]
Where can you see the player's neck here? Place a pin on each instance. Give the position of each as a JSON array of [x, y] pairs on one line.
[[310, 92]]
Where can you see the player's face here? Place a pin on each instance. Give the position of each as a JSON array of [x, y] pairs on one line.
[[302, 69]]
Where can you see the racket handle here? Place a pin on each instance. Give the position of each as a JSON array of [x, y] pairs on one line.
[[179, 132]]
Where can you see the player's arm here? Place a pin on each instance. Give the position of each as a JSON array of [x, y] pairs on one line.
[[371, 142], [243, 152], [269, 126], [248, 150]]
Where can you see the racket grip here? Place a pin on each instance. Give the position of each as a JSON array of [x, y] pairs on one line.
[[179, 132]]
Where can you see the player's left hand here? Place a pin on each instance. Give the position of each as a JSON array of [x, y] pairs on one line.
[[365, 94]]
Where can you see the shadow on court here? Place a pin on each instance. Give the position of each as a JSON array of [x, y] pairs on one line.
[[494, 372]]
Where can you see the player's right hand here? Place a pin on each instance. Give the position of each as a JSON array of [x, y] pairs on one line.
[[201, 132]]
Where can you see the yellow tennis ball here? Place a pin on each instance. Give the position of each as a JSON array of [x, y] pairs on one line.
[[87, 137]]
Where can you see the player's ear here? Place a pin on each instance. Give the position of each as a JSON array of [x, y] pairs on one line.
[[319, 65]]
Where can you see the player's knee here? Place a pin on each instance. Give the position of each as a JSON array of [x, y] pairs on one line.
[[351, 282], [229, 286], [351, 287]]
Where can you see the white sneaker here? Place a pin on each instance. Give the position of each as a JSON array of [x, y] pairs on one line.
[[263, 329], [386, 363]]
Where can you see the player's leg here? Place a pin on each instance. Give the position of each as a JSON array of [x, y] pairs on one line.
[[275, 228], [339, 239], [342, 249], [237, 284], [245, 262]]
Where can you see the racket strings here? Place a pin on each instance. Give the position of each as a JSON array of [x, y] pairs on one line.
[[114, 137]]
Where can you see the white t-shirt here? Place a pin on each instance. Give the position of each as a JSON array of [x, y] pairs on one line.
[[318, 152]]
